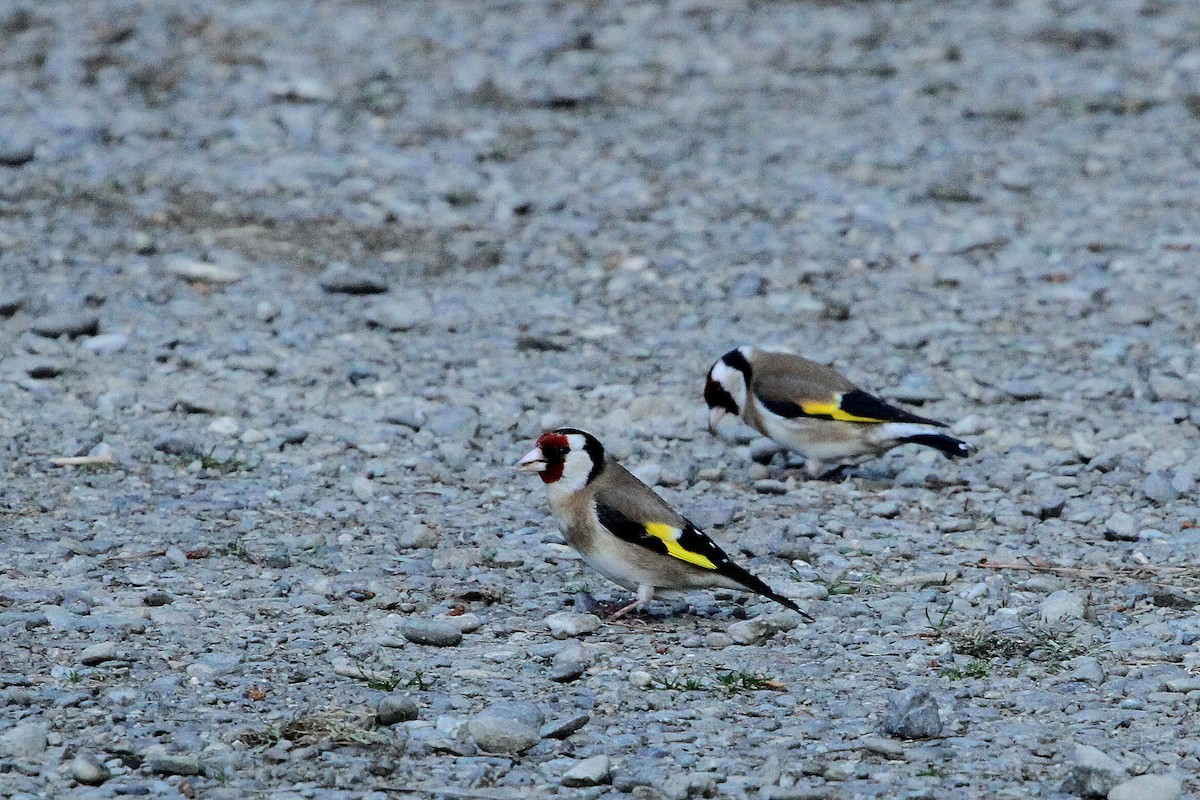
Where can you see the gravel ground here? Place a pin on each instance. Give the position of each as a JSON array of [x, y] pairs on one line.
[[298, 283]]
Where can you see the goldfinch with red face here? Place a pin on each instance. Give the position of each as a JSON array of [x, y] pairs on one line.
[[624, 530], [811, 409]]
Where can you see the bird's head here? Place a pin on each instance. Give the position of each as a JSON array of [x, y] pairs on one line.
[[727, 386], [568, 457]]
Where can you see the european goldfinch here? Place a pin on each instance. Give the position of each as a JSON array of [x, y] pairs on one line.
[[623, 529], [811, 409]]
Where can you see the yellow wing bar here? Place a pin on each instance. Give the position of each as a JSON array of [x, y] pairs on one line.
[[669, 535], [816, 408]]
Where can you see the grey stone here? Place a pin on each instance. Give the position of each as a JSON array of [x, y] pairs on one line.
[[87, 770], [106, 343], [16, 153], [1147, 787], [570, 663], [1093, 772], [453, 423], [176, 444], [26, 740], [567, 624], [66, 323], [416, 535], [912, 714], [394, 709], [11, 303], [592, 771], [156, 599], [98, 653], [432, 632], [1086, 668], [564, 727], [763, 450], [506, 728], [1158, 488], [750, 631], [160, 763], [770, 486], [1120, 527], [1062, 606], [202, 271], [344, 279], [400, 315]]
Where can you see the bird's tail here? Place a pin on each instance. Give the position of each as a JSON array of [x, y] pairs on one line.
[[947, 445], [785, 602]]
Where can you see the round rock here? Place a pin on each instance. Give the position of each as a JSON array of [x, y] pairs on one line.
[[507, 727], [432, 632], [393, 710], [89, 771]]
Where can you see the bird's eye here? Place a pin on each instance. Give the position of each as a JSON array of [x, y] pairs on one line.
[[556, 451]]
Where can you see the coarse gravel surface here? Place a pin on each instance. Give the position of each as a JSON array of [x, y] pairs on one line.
[[291, 285]]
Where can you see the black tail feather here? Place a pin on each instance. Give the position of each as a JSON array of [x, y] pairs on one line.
[[948, 445], [757, 586]]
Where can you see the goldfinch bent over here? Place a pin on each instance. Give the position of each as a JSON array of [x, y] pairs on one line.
[[811, 409], [624, 530]]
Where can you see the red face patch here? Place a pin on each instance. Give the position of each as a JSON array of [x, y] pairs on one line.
[[554, 447]]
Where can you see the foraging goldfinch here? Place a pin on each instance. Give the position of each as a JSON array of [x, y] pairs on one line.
[[811, 409], [623, 529]]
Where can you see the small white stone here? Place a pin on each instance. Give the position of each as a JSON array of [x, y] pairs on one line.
[[224, 426], [566, 624], [589, 772], [1061, 606], [640, 678], [364, 488], [1147, 787]]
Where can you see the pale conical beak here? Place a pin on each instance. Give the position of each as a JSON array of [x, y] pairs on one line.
[[714, 416], [533, 461]]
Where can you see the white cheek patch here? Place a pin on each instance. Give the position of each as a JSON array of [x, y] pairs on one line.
[[576, 468], [732, 381]]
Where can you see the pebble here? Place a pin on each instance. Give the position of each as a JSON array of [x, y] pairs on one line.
[[570, 663], [564, 727], [883, 747], [363, 488], [87, 770], [592, 771], [160, 763], [750, 631], [1120, 527], [1062, 606], [568, 624], [98, 654], [912, 714], [416, 536], [201, 271], [176, 444], [400, 315], [77, 323], [770, 486], [25, 740], [344, 279], [763, 450], [1093, 772], [1086, 668], [11, 302], [1147, 787], [105, 344], [508, 727], [394, 709], [1158, 487], [432, 632], [16, 153]]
